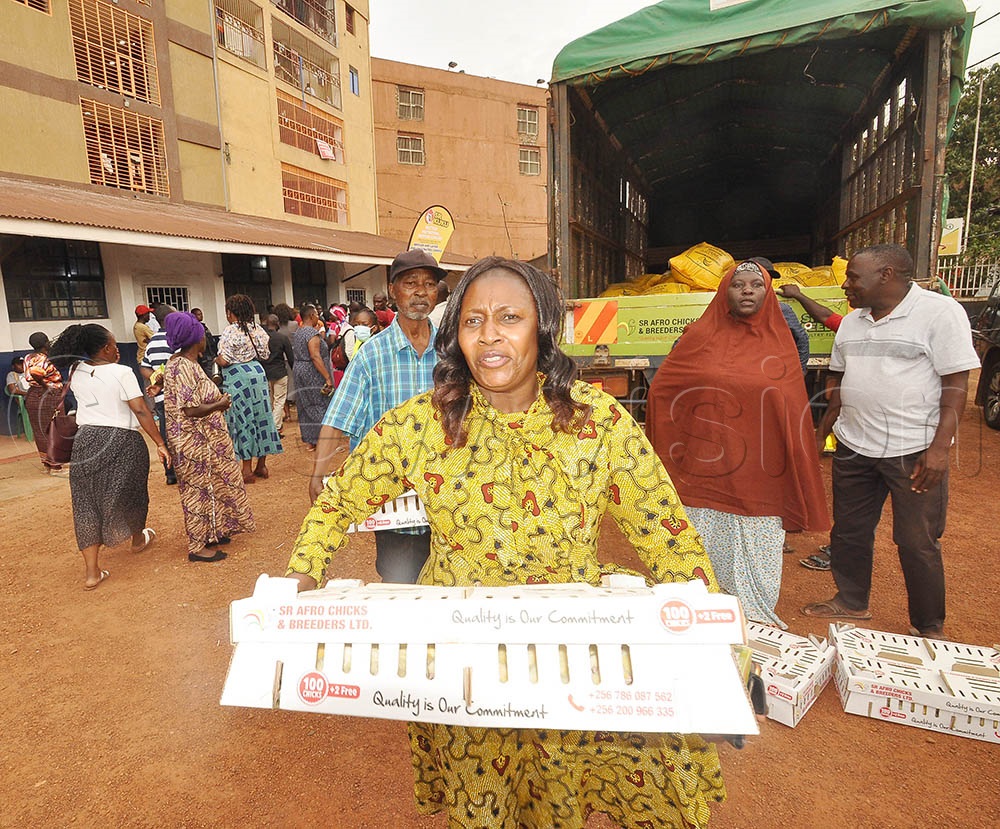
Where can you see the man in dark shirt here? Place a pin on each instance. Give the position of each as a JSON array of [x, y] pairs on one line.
[[207, 360], [276, 367]]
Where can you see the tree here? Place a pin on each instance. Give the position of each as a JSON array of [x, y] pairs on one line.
[[984, 225]]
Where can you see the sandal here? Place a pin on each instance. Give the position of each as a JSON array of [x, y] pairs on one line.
[[96, 584], [815, 562], [834, 609], [148, 535]]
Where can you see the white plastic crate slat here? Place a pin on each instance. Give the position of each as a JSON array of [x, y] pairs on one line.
[[592, 678], [929, 653], [404, 511]]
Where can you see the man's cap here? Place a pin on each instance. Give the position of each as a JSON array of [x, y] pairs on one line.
[[767, 265], [142, 309], [413, 259]]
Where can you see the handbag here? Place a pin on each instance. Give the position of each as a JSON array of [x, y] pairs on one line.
[[62, 430]]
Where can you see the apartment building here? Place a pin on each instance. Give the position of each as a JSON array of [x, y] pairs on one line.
[[181, 151], [474, 145]]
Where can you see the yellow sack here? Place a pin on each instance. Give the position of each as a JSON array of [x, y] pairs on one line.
[[820, 277], [701, 266], [839, 267], [667, 286], [619, 289], [777, 283], [640, 283], [792, 270]]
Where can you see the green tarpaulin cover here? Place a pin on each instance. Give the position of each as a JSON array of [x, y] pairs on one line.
[[694, 31]]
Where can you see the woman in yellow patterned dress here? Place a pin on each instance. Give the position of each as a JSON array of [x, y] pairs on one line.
[[516, 465]]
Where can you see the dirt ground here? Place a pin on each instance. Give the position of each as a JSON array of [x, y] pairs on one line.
[[109, 700]]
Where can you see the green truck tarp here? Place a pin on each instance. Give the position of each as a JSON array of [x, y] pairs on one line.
[[692, 31]]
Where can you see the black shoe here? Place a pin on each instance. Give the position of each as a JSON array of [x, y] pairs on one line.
[[218, 556], [171, 480]]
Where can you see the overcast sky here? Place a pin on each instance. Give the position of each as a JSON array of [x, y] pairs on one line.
[[516, 40]]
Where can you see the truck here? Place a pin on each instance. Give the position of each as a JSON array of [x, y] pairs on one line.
[[794, 131]]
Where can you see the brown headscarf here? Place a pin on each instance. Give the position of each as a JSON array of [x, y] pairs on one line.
[[729, 416]]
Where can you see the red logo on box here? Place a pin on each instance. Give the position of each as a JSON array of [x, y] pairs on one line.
[[312, 688], [706, 617], [676, 616], [889, 714], [775, 691], [370, 523]]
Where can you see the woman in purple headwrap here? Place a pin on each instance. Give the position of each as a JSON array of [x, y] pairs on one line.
[[209, 476]]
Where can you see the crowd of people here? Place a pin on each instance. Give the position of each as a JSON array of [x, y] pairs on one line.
[[468, 400]]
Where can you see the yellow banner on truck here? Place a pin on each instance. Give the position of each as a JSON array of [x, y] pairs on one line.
[[637, 326]]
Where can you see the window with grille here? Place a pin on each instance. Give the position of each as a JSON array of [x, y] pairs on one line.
[[301, 126], [411, 104], [312, 195], [410, 149], [529, 161], [52, 279], [305, 65], [358, 295], [318, 15], [39, 5], [309, 283], [527, 121], [243, 273], [175, 296], [355, 80], [124, 149], [349, 21], [114, 49], [239, 28]]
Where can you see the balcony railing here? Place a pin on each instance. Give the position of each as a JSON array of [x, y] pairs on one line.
[[303, 74], [317, 15]]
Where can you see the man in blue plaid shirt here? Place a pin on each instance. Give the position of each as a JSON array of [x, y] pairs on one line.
[[393, 366]]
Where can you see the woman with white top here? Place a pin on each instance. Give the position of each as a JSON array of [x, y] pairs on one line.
[[110, 462]]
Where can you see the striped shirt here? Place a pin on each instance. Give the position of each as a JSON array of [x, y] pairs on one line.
[[384, 374], [157, 354]]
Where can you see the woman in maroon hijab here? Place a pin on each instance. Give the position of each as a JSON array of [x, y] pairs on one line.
[[729, 416]]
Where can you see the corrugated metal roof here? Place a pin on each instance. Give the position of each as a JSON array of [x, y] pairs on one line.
[[86, 213]]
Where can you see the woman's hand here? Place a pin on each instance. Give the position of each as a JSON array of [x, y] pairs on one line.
[[224, 403], [164, 455], [304, 582]]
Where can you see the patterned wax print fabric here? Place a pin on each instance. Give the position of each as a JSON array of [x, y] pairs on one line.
[[310, 403], [209, 477], [237, 346], [40, 371], [521, 503], [108, 483], [746, 553], [250, 419]]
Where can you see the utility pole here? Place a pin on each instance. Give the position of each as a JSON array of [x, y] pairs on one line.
[[972, 169]]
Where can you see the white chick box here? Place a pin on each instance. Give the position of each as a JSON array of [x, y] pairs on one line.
[[550, 656]]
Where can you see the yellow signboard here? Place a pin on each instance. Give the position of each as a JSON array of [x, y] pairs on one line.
[[432, 231], [951, 237]]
